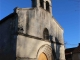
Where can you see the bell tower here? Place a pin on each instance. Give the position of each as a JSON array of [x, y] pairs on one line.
[[44, 4]]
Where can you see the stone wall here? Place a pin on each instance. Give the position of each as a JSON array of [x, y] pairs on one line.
[[28, 47], [34, 21], [7, 41], [76, 56]]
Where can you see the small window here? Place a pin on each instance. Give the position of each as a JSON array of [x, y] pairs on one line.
[[47, 6], [42, 3], [46, 34]]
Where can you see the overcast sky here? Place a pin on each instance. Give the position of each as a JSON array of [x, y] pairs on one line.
[[66, 12]]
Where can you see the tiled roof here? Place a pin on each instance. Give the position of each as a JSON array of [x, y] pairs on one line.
[[77, 50], [73, 50], [69, 50]]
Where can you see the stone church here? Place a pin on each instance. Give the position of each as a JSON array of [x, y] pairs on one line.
[[31, 34]]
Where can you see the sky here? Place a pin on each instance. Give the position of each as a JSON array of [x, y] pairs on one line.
[[66, 12]]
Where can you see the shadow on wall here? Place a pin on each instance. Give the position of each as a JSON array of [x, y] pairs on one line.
[[57, 48], [56, 54]]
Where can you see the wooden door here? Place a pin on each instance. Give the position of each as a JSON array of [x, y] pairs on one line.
[[42, 56]]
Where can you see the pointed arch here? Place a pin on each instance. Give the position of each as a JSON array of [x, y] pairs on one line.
[[47, 6], [46, 34], [42, 3]]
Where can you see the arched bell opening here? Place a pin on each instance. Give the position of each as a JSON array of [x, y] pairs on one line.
[[47, 6], [42, 3]]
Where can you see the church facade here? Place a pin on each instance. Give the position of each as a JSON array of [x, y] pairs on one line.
[[31, 34]]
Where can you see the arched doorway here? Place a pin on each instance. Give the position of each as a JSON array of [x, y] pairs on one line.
[[46, 52], [42, 56]]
